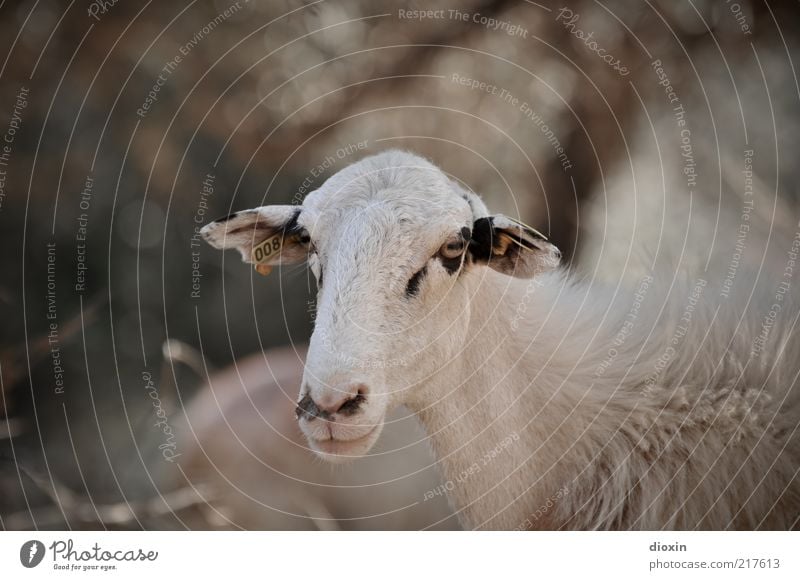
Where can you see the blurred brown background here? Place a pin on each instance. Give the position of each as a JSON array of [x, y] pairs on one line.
[[116, 116]]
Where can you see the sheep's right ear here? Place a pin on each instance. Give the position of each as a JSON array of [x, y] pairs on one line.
[[511, 247], [265, 236]]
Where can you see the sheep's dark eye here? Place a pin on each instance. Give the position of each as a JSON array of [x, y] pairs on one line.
[[453, 249], [451, 254], [412, 288]]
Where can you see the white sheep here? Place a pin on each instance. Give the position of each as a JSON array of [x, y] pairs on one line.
[[551, 403]]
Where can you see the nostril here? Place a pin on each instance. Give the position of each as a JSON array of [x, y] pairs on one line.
[[308, 409], [347, 402], [352, 405]]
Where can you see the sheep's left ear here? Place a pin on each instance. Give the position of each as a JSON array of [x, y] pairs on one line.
[[265, 236], [511, 247]]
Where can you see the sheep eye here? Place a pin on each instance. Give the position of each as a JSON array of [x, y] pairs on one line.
[[453, 249]]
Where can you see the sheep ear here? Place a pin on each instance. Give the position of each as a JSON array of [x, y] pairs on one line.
[[265, 236], [511, 247]]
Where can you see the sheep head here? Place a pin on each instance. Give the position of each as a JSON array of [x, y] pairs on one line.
[[399, 251]]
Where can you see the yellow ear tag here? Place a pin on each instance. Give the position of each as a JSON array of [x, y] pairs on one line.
[[265, 251]]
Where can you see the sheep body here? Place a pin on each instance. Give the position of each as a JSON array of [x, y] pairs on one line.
[[551, 401], [650, 409]]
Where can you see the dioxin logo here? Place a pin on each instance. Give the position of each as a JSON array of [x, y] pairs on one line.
[[31, 553]]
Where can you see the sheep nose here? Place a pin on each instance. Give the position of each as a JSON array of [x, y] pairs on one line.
[[342, 399]]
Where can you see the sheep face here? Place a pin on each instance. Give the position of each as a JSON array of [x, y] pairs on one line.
[[394, 245]]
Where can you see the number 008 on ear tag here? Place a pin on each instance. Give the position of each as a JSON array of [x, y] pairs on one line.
[[265, 251]]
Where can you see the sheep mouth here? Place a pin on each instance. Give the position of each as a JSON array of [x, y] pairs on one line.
[[337, 450]]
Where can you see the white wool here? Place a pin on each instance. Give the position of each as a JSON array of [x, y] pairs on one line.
[[550, 402]]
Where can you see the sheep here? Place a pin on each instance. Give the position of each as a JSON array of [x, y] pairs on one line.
[[549, 402]]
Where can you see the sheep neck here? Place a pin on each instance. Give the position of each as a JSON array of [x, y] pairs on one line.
[[492, 412]]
